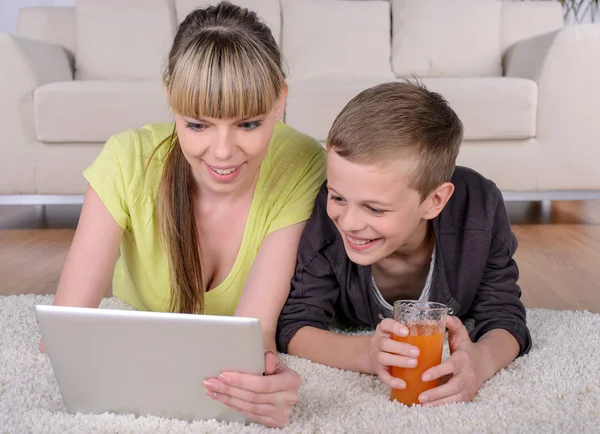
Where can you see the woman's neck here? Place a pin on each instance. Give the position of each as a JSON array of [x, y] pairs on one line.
[[209, 200]]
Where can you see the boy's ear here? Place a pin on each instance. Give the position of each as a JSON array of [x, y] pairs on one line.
[[438, 200]]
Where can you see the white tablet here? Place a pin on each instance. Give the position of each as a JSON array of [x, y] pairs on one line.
[[147, 363]]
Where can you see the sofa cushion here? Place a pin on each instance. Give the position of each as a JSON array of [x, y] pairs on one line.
[[268, 10], [336, 38], [91, 111], [54, 25], [440, 38], [526, 19], [122, 40], [491, 108]]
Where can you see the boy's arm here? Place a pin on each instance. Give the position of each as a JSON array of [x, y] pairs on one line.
[[497, 306], [332, 349], [308, 313], [303, 326]]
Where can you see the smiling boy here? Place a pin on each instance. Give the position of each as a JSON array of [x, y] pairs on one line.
[[397, 219]]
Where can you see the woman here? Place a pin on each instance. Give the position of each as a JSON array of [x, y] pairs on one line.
[[207, 212]]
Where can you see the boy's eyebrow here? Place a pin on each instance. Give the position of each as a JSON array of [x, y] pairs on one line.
[[373, 202], [330, 188], [377, 202]]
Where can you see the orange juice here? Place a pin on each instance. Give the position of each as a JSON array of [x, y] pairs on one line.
[[429, 338]]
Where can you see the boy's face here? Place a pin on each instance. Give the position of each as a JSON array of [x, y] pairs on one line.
[[374, 209]]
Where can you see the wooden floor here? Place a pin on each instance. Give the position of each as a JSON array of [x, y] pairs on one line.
[[559, 261]]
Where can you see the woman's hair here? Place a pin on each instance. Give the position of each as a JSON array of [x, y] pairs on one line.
[[224, 63]]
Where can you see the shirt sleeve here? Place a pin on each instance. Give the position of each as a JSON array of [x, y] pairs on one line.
[[497, 303], [302, 189], [110, 175], [315, 288]]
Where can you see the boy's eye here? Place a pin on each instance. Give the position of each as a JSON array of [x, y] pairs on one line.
[[375, 211], [194, 126], [249, 126]]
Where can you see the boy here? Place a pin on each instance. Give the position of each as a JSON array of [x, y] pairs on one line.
[[396, 219]]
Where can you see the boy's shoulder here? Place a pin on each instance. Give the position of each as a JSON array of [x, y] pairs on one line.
[[320, 230], [474, 203]]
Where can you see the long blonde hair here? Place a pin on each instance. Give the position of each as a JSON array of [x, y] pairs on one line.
[[224, 63]]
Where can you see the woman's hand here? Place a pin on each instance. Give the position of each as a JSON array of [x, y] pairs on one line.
[[385, 352], [465, 366], [265, 399]]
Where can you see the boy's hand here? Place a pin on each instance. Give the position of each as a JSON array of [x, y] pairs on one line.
[[464, 366], [385, 352]]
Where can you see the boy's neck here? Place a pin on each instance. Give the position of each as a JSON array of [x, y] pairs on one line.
[[420, 247], [403, 274]]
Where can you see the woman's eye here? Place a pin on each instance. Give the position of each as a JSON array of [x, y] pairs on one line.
[[194, 126], [249, 126], [375, 211], [336, 198]]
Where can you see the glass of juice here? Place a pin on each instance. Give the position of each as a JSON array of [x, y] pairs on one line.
[[426, 322]]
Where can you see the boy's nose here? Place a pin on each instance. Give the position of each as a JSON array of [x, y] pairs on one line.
[[349, 221]]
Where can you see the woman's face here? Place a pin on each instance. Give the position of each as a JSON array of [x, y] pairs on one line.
[[225, 154]]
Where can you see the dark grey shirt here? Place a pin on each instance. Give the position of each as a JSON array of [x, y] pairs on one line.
[[474, 274]]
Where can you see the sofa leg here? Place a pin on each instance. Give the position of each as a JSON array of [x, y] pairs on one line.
[[546, 209], [42, 216]]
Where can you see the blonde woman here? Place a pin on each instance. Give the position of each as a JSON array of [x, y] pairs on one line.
[[206, 212]]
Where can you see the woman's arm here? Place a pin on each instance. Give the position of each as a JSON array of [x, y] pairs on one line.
[[266, 399], [89, 266], [269, 280]]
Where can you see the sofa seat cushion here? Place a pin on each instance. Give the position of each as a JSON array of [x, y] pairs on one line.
[[491, 108], [91, 111]]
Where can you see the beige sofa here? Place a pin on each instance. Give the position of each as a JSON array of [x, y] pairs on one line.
[[526, 86]]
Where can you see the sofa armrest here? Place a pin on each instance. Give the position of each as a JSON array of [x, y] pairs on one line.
[[26, 65], [32, 63], [565, 64]]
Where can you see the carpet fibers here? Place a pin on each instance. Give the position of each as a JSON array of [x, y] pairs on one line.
[[553, 389]]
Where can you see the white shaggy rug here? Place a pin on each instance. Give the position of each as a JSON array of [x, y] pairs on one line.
[[555, 388]]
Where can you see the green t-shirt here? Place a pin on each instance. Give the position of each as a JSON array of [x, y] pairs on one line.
[[127, 183]]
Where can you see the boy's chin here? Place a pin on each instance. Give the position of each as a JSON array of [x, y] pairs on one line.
[[363, 258]]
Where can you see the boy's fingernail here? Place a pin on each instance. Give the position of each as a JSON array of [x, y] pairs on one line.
[[426, 377], [423, 398], [225, 379], [414, 352], [412, 362]]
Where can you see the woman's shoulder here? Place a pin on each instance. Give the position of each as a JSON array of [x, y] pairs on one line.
[[289, 140], [292, 153], [143, 142], [294, 166], [135, 156]]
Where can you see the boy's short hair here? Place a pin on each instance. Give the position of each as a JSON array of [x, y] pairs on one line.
[[384, 119]]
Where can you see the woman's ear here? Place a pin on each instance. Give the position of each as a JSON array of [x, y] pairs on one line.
[[281, 103]]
